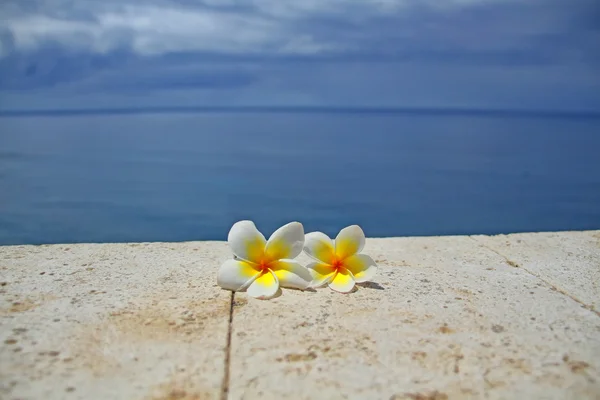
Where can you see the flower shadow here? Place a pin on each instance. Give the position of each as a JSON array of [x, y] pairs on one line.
[[276, 295], [311, 290], [370, 285]]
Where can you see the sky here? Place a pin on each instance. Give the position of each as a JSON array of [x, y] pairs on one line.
[[484, 54]]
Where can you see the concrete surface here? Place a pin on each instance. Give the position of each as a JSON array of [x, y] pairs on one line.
[[570, 262], [112, 321], [446, 318]]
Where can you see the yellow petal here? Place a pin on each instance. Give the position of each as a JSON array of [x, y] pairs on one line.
[[349, 241], [362, 266], [246, 241], [321, 274], [343, 281], [319, 246], [264, 287], [285, 242], [291, 274], [236, 275]]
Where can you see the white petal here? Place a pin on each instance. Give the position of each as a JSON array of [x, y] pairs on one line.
[[321, 274], [246, 241], [319, 246], [349, 241], [343, 281], [264, 287], [236, 275], [362, 266], [291, 274], [285, 242]]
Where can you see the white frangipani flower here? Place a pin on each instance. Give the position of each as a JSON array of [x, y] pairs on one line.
[[261, 266], [338, 263]]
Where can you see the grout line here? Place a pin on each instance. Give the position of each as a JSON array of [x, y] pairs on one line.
[[553, 287], [225, 385]]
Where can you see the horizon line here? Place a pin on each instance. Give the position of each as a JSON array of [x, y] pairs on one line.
[[449, 111]]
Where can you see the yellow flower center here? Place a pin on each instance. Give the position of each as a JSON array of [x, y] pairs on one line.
[[337, 263], [264, 264]]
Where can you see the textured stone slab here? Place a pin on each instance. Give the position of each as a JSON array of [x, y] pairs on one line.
[[447, 319], [569, 261], [113, 321]]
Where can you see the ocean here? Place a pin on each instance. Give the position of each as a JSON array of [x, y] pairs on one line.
[[181, 176]]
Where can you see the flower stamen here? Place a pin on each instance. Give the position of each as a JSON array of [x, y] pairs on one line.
[[336, 263], [263, 265]]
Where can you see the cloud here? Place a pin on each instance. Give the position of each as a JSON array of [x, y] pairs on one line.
[[145, 30], [157, 28], [308, 27], [492, 53]]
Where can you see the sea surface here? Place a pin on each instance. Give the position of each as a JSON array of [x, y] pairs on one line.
[[171, 176]]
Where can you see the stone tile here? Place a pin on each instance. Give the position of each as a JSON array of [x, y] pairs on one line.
[[447, 318], [569, 261], [112, 321]]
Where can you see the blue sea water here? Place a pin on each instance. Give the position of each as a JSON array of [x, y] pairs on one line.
[[190, 176]]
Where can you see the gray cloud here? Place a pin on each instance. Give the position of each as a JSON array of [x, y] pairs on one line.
[[308, 27], [481, 53]]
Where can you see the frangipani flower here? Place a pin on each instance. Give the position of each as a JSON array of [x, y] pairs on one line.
[[260, 266], [338, 263]]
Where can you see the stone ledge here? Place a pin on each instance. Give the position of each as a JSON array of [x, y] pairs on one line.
[[458, 317]]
